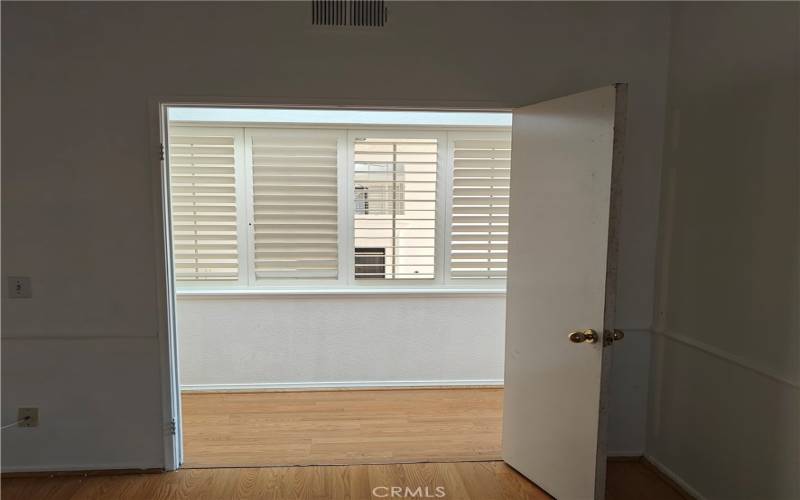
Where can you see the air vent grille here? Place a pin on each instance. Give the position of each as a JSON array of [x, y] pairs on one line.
[[366, 13]]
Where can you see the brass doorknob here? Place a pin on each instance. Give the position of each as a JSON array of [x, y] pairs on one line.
[[611, 336], [580, 336]]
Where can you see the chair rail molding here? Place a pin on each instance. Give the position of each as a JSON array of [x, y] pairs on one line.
[[726, 356]]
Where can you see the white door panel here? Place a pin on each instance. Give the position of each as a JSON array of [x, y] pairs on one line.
[[561, 185]]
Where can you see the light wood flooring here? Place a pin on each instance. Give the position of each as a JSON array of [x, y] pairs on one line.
[[461, 481], [341, 427], [237, 431]]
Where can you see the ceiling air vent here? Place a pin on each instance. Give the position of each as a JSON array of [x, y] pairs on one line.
[[368, 13]]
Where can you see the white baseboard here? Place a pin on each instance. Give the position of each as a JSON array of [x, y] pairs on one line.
[[373, 384], [625, 454], [21, 469], [676, 478]]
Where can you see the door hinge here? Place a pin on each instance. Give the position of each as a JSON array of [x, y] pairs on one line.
[[161, 152], [172, 427]]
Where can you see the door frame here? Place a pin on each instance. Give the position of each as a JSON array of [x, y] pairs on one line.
[[166, 329]]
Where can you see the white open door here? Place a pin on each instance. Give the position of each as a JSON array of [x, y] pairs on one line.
[[562, 261]]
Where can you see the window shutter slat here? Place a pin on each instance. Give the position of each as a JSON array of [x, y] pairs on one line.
[[295, 206], [394, 189], [203, 188], [479, 226]]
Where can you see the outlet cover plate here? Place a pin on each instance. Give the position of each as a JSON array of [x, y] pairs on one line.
[[33, 413]]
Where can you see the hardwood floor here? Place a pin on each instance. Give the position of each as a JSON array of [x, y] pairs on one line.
[[341, 427], [460, 481], [636, 480], [457, 430]]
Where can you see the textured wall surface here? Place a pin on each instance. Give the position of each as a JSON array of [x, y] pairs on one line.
[[328, 340]]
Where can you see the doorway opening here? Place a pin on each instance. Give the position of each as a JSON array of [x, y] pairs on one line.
[[339, 283], [420, 215]]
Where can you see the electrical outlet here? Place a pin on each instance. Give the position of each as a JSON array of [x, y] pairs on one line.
[[32, 413], [19, 287]]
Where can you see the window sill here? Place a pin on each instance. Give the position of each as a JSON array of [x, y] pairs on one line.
[[306, 292]]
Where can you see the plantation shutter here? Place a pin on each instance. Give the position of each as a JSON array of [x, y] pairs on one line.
[[295, 203], [394, 187], [203, 188], [479, 231]]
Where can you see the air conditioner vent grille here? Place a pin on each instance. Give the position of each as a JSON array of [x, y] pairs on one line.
[[363, 13]]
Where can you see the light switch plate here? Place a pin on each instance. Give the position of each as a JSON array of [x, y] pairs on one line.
[[19, 287]]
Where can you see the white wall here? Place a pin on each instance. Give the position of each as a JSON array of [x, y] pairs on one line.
[[725, 408], [340, 340], [77, 196]]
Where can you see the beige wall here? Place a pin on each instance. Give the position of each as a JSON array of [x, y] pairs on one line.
[[77, 180], [725, 409]]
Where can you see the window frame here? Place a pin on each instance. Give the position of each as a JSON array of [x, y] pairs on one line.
[[249, 284]]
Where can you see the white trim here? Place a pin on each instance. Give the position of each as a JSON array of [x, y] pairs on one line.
[[243, 176], [246, 226], [342, 116], [339, 126], [414, 292], [123, 466], [447, 220], [347, 211], [674, 477], [626, 454], [372, 384], [352, 103], [344, 218], [726, 356], [107, 336], [166, 331], [440, 228]]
